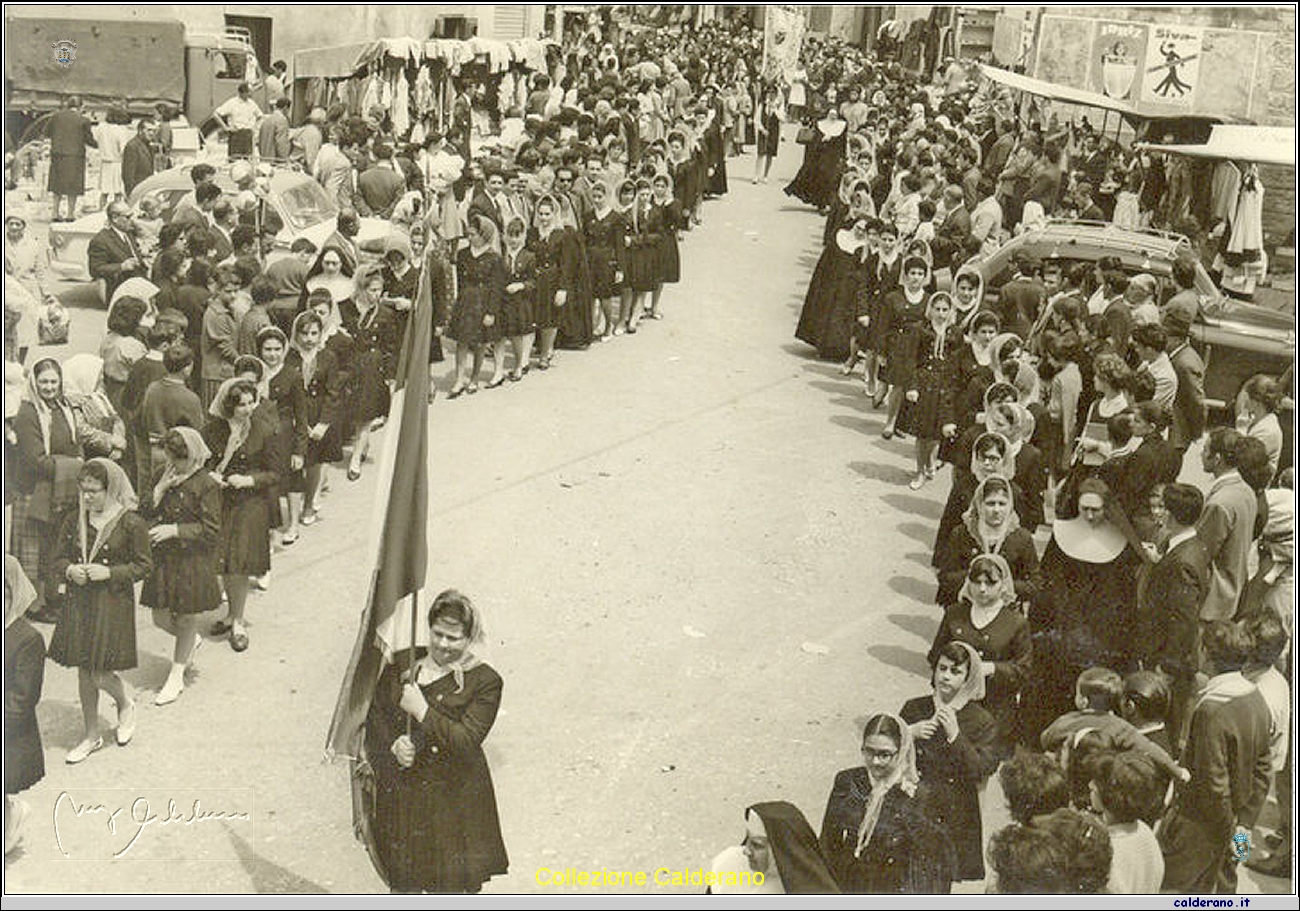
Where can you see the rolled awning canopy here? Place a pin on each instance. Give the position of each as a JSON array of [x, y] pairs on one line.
[[1056, 92], [1237, 142]]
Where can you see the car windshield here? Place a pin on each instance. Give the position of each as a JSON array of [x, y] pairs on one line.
[[305, 202]]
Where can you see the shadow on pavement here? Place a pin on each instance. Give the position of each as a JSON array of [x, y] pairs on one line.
[[875, 471], [270, 878], [920, 558], [922, 534], [862, 425], [921, 627], [914, 506], [905, 659], [916, 589], [60, 723]]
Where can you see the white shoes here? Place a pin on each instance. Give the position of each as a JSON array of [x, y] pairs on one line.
[[82, 750], [172, 689], [917, 482]]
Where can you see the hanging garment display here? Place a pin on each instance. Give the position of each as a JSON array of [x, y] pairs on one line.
[[401, 109], [1247, 238]]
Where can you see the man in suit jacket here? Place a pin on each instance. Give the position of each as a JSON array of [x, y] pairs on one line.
[[1230, 762], [954, 234], [1189, 397], [1170, 601], [1020, 299], [137, 156], [1227, 524], [380, 187], [112, 253]]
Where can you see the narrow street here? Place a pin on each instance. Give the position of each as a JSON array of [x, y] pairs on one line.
[[700, 567]]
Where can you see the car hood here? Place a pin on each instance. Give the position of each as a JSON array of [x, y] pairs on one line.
[[1250, 318], [88, 225], [374, 231]]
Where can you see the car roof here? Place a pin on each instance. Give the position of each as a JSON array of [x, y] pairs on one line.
[[1146, 250]]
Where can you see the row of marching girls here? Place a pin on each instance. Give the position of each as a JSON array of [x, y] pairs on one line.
[[202, 532], [577, 274]]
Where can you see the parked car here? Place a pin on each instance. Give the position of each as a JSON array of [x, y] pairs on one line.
[[301, 203], [1236, 339]]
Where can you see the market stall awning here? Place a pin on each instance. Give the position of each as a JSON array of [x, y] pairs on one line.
[[1238, 142], [343, 60], [1056, 92]]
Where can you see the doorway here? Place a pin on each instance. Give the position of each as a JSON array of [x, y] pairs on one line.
[[259, 31]]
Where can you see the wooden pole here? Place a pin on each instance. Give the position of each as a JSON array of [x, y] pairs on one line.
[[410, 656]]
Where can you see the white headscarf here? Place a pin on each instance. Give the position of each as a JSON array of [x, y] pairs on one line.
[[120, 499], [196, 456], [902, 773]]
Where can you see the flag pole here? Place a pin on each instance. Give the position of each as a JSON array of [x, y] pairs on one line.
[[761, 93], [410, 655]]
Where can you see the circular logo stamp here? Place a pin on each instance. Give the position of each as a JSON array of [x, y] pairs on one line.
[[65, 51]]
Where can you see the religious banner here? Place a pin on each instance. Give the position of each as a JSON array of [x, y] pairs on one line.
[[1173, 65], [1118, 53], [783, 29]]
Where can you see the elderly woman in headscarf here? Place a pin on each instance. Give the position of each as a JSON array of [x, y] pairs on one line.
[[779, 856], [44, 472], [244, 462], [989, 526], [24, 756], [100, 430], [1085, 616], [433, 807], [101, 551], [957, 749], [875, 833], [987, 617], [186, 527]]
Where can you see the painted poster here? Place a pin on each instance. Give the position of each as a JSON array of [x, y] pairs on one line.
[[1173, 65], [1063, 47], [1118, 53]]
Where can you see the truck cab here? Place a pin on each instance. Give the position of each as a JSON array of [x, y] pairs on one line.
[[215, 65]]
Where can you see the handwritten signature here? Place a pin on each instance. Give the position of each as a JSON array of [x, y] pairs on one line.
[[139, 815]]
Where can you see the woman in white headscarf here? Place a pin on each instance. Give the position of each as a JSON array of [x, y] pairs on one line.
[[100, 430], [43, 471], [957, 749], [988, 618], [989, 526], [875, 834], [101, 552], [186, 527], [433, 814]]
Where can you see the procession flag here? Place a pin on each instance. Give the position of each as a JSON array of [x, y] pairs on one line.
[[400, 540], [783, 29]]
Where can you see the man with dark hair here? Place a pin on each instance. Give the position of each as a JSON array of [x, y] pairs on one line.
[[1228, 755], [239, 116], [1021, 299], [224, 220], [1227, 524], [137, 156], [381, 185], [1033, 784], [1149, 340], [1189, 395], [1186, 301], [273, 131], [1170, 603], [169, 403], [262, 291], [1270, 639]]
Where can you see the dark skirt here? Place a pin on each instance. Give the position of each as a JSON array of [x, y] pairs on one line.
[[96, 628], [604, 264], [244, 548], [369, 397], [923, 417], [516, 317], [184, 579], [67, 174], [643, 266], [670, 257], [466, 325], [329, 448]]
